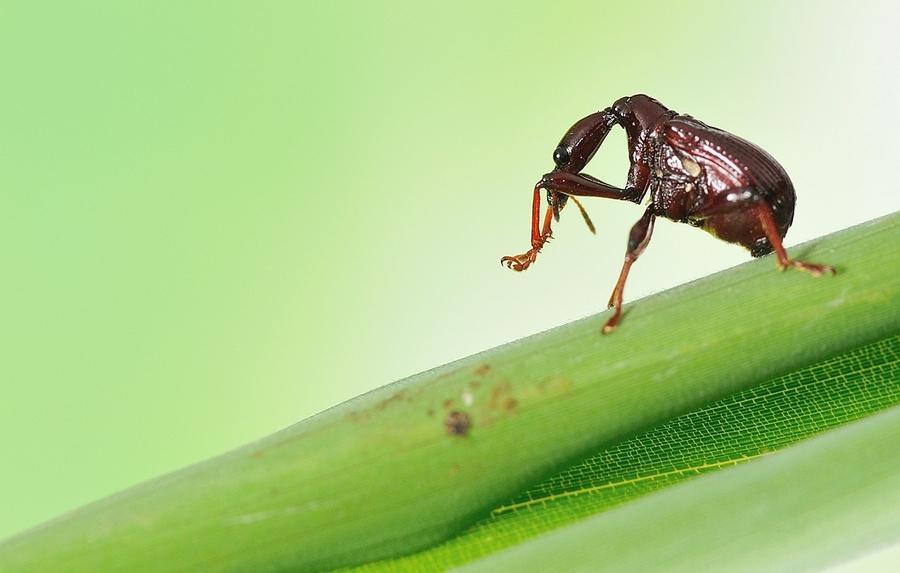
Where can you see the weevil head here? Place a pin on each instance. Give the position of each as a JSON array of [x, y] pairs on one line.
[[581, 141], [638, 114]]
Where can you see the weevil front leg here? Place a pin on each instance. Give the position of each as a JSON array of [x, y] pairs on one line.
[[563, 183], [572, 154], [539, 235], [638, 238]]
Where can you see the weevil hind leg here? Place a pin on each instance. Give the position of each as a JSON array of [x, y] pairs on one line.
[[767, 220], [745, 216], [638, 238]]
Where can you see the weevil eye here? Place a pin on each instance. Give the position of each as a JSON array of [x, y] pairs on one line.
[[561, 156]]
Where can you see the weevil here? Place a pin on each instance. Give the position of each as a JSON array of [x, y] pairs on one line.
[[692, 172]]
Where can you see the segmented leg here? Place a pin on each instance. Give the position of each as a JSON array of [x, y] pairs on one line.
[[539, 235], [783, 261], [637, 242], [572, 184]]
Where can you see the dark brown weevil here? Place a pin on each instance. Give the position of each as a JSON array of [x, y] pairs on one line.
[[693, 173]]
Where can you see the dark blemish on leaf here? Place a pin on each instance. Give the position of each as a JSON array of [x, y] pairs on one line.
[[359, 416], [510, 404], [448, 403], [446, 374], [457, 423], [396, 397], [474, 384], [555, 386], [498, 393], [430, 413], [482, 370]]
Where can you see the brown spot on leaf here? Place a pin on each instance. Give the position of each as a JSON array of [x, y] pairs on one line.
[[396, 397], [498, 393], [447, 373], [511, 404], [482, 370], [359, 416], [457, 423], [448, 403], [555, 386], [474, 384]]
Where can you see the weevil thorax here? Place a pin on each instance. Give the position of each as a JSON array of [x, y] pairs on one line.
[[640, 116]]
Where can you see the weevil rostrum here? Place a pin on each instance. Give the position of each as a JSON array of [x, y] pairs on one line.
[[693, 173]]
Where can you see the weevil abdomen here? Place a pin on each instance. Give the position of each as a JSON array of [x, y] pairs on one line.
[[732, 172]]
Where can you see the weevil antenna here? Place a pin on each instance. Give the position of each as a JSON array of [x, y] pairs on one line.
[[587, 220]]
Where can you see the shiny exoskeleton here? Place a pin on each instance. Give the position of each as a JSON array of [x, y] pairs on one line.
[[693, 173]]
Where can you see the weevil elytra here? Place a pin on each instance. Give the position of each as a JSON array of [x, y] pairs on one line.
[[693, 173]]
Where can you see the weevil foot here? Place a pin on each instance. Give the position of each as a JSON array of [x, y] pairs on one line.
[[521, 262], [814, 269], [612, 323]]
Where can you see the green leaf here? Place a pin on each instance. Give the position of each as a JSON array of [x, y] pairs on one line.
[[752, 424], [397, 470], [815, 503]]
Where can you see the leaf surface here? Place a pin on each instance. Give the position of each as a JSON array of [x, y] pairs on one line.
[[752, 424], [414, 463]]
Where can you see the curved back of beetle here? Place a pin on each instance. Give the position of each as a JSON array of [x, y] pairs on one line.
[[640, 116]]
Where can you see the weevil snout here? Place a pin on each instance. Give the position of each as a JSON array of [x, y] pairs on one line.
[[556, 199], [581, 141]]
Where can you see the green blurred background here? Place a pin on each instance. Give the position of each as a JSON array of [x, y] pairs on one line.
[[219, 218]]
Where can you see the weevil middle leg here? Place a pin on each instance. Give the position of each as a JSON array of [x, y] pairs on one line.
[[638, 238]]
